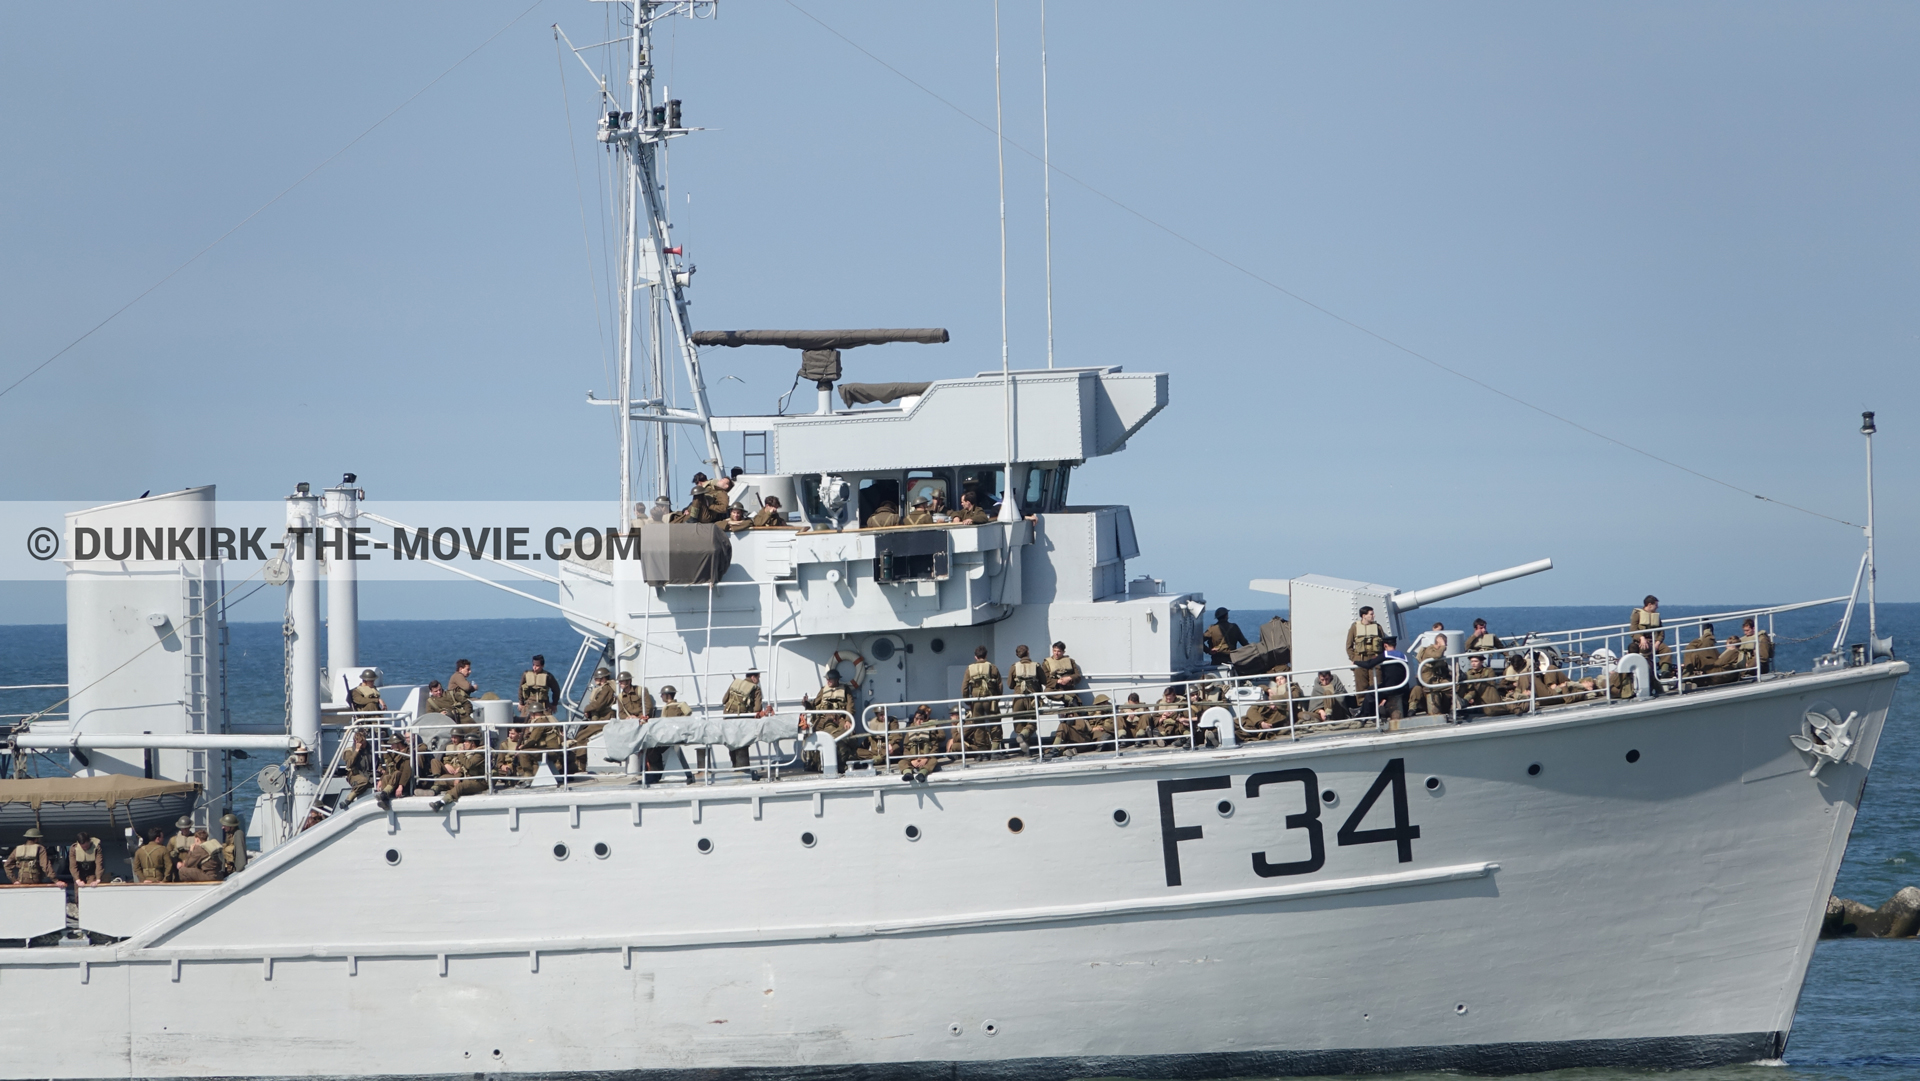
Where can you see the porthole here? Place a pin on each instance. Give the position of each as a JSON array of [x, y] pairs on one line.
[[938, 645], [1633, 756], [559, 852], [1459, 1007], [807, 840], [1533, 770], [1121, 818], [393, 857], [1329, 797], [704, 845], [1225, 807], [954, 1029], [601, 849], [496, 1052], [1433, 784], [913, 833], [882, 649], [1014, 825], [990, 1027]]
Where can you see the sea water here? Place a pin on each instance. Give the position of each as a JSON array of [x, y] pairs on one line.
[[1859, 1017]]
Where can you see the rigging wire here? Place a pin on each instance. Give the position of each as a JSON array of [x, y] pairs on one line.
[[1284, 291], [580, 197], [1006, 377], [1046, 175], [284, 192]]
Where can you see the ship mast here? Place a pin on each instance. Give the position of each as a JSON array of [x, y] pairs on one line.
[[637, 131]]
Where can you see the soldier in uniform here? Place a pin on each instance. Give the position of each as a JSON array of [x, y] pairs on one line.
[[1026, 681], [1366, 647], [919, 745], [366, 697], [1700, 653], [85, 860], [543, 734], [635, 702], [538, 684], [201, 861], [771, 516], [1173, 722], [183, 836], [1061, 675], [982, 688], [836, 699], [1435, 649], [153, 862], [743, 699], [463, 774], [886, 514], [737, 520], [1747, 652], [461, 689], [1222, 638], [670, 706], [29, 864], [971, 512], [1329, 701], [597, 709], [396, 771], [1264, 720], [1646, 620], [1435, 691], [919, 515], [1482, 640], [1133, 721], [233, 849]]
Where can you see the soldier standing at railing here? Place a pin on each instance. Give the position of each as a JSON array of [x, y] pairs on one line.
[[1646, 619], [1061, 674], [636, 703], [1027, 682], [538, 685], [152, 862], [1366, 648], [981, 685], [832, 700], [743, 699], [29, 864], [461, 690], [597, 709], [1482, 640], [1222, 638]]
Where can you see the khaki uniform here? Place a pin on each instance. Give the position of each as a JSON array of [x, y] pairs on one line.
[[153, 862], [769, 517], [976, 516], [1740, 656], [1024, 679], [179, 843], [1223, 638], [600, 702], [1365, 646], [460, 690], [396, 771], [1699, 654], [365, 698], [918, 516], [882, 742], [1171, 721], [831, 724], [29, 864], [920, 745], [637, 703], [738, 525], [1639, 620], [1090, 724], [981, 686], [465, 775], [1134, 722], [538, 687], [86, 864], [234, 851], [883, 517], [743, 697], [1484, 642], [201, 863], [1417, 694], [1052, 670], [543, 735], [1435, 669]]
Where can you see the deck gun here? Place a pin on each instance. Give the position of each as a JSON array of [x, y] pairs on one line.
[[1322, 608]]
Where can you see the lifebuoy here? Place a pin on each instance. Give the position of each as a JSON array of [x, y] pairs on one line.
[[860, 666]]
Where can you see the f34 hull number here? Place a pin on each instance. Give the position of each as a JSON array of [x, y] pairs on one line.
[[1392, 779]]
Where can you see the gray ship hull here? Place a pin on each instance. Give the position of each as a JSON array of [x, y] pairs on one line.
[[1281, 908]]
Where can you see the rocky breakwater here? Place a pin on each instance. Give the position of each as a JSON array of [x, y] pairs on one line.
[[1898, 918]]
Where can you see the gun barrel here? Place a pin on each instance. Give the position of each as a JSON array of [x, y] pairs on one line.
[[1407, 602]]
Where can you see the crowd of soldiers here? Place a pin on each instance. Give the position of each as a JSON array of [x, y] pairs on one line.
[[711, 503], [189, 855]]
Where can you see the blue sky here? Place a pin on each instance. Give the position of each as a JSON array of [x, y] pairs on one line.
[[1690, 228]]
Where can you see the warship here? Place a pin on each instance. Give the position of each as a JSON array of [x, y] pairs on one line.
[[1270, 864]]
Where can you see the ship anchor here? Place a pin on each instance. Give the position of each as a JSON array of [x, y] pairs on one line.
[[1824, 737]]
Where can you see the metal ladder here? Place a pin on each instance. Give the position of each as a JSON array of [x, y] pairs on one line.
[[753, 445], [192, 633]]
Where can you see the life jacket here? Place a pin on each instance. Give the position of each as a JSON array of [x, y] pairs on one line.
[[26, 864], [834, 698], [1026, 677], [1367, 639], [1641, 619], [981, 680], [740, 695], [534, 685]]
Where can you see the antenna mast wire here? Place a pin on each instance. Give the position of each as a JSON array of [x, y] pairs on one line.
[[1046, 175]]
